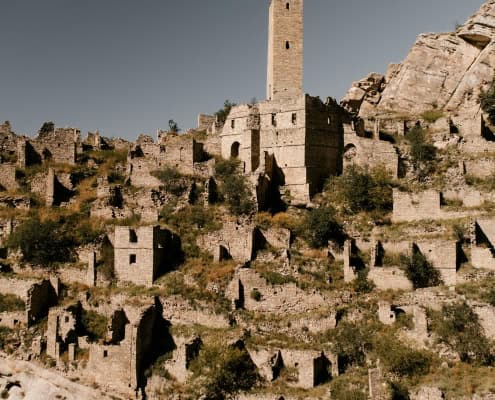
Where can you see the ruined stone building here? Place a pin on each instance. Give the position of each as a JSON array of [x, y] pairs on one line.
[[295, 139], [143, 254]]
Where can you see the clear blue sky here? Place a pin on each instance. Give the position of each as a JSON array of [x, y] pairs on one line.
[[128, 66]]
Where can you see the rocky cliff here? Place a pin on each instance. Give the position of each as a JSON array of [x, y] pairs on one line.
[[442, 71]]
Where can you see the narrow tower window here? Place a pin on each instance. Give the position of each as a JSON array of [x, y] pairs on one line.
[[294, 118], [287, 45], [274, 119], [232, 124], [287, 6]]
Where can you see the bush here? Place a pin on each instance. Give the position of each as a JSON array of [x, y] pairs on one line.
[[419, 271], [47, 127], [9, 303], [172, 180], [487, 100], [432, 115], [351, 342], [220, 372], [226, 168], [224, 112], [238, 195], [459, 328], [401, 360], [256, 295], [95, 325], [349, 387], [320, 226], [43, 243], [359, 190], [52, 241], [362, 284], [422, 153]]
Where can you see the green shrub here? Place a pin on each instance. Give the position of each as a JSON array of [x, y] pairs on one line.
[[274, 278], [351, 341], [223, 112], [399, 359], [349, 387], [9, 303], [52, 241], [362, 284], [172, 180], [359, 190], [419, 271], [256, 295], [220, 372], [458, 327], [432, 115], [42, 243], [487, 101], [320, 226], [226, 168], [422, 153], [238, 195], [95, 325], [398, 391]]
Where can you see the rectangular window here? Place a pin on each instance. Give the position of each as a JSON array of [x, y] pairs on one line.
[[132, 259], [274, 119], [232, 124], [132, 236], [294, 118]]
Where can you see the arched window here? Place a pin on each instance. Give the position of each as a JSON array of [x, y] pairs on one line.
[[287, 45], [234, 150], [287, 6]]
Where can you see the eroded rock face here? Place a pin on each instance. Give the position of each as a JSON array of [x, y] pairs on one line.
[[442, 71]]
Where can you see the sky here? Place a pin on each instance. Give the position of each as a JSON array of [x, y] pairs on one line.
[[127, 67]]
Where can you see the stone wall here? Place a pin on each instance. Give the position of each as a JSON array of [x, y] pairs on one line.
[[370, 153], [482, 244], [7, 177], [142, 254], [274, 298], [205, 121], [442, 255], [303, 136], [58, 146], [237, 239], [416, 206], [285, 49]]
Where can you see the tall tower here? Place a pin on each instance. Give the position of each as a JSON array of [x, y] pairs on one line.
[[285, 49]]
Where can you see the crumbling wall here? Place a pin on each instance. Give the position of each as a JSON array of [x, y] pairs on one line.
[[236, 238], [273, 298], [142, 254], [370, 153], [442, 254], [7, 177], [416, 206]]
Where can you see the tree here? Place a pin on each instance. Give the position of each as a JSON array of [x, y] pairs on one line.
[[220, 372], [419, 271], [224, 112], [320, 226], [47, 127], [459, 328], [173, 126], [487, 101], [361, 190]]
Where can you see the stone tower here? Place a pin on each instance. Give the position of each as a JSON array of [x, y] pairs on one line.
[[285, 49]]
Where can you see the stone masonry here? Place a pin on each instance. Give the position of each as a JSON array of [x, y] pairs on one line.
[[143, 254]]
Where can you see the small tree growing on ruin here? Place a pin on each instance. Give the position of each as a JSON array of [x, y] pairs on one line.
[[487, 101], [419, 271], [458, 327], [219, 373], [173, 126], [47, 127], [224, 112], [320, 226]]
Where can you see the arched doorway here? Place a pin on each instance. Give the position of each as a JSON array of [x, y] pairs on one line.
[[234, 150]]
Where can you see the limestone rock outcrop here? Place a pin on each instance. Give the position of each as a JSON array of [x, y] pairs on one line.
[[442, 71]]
